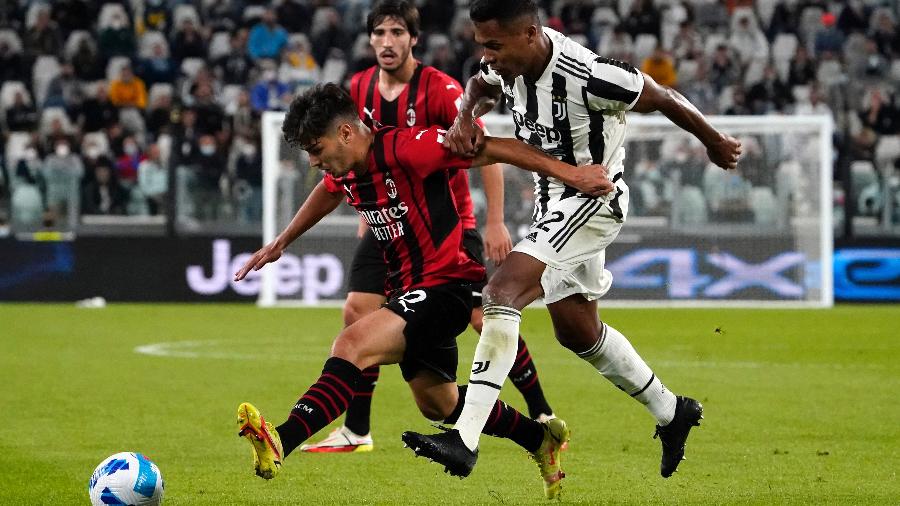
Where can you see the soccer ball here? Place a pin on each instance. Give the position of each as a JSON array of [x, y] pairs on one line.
[[126, 478]]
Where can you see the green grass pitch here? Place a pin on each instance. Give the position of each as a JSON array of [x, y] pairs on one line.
[[801, 408]]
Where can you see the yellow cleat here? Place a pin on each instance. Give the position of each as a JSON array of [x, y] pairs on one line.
[[556, 435], [264, 439]]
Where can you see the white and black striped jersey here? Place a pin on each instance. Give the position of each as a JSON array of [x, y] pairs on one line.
[[575, 111]]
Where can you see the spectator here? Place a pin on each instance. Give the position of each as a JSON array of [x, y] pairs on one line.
[[885, 34], [642, 18], [104, 195], [738, 103], [209, 167], [44, 37], [660, 67], [815, 105], [248, 174], [235, 66], [785, 19], [153, 180], [65, 90], [269, 93], [724, 70], [327, 34], [298, 68], [802, 69], [830, 40], [159, 115], [117, 39], [700, 91], [86, 62], [188, 42], [97, 112], [57, 132], [22, 116], [73, 15], [157, 15], [295, 15], [26, 200], [267, 38], [11, 64], [62, 172], [128, 91], [873, 64], [853, 18], [210, 116], [158, 67], [185, 139], [748, 41], [244, 120], [882, 116], [687, 41], [440, 56], [128, 162], [769, 95]]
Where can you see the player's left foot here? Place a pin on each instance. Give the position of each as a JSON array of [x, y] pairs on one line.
[[688, 413], [263, 437], [556, 434], [447, 449]]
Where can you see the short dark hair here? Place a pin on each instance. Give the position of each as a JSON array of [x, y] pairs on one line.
[[403, 10], [312, 113], [503, 11]]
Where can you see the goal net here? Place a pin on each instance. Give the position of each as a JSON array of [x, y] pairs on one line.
[[695, 234]]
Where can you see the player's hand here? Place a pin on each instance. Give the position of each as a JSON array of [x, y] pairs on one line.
[[725, 151], [591, 179], [268, 253], [497, 243], [465, 137]]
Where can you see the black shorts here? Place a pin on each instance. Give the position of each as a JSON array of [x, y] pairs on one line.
[[434, 317], [369, 270]]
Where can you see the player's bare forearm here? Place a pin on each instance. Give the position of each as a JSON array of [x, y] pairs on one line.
[[723, 150], [492, 179], [465, 137], [477, 96], [319, 204], [590, 179]]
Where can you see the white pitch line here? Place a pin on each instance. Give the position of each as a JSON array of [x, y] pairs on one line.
[[193, 349]]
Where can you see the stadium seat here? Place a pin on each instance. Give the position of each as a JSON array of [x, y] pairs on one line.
[[148, 40], [253, 12], [44, 70], [863, 178], [183, 13], [713, 41], [644, 44], [810, 24], [15, 148], [8, 93], [114, 67], [604, 17], [159, 89], [219, 45], [895, 70], [12, 39], [783, 49], [687, 71], [50, 114], [190, 66], [132, 120], [801, 93], [74, 40], [690, 207], [32, 13], [765, 9], [830, 72], [765, 207], [98, 139], [107, 12], [27, 206], [887, 151], [228, 98]]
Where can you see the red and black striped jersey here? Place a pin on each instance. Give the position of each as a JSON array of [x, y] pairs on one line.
[[435, 102], [405, 198]]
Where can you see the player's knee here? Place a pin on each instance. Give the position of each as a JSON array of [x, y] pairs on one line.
[[434, 410], [477, 319], [576, 338], [352, 313], [347, 346]]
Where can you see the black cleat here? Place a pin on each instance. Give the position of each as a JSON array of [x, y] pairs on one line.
[[446, 449], [688, 413]]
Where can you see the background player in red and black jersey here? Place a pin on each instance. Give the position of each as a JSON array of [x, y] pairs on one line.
[[397, 179], [400, 91]]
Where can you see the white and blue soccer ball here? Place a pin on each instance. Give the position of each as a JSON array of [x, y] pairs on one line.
[[126, 478]]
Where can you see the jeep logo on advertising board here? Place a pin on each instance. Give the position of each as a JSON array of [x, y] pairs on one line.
[[312, 277]]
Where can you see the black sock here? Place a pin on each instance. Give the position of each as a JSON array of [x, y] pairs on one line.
[[360, 410], [505, 422], [325, 400], [525, 377]]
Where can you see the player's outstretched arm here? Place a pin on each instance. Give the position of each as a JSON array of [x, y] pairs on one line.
[[318, 205], [589, 179], [497, 243], [465, 137], [722, 149]]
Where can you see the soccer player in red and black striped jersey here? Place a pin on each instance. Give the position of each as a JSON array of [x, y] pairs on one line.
[[398, 181], [400, 91]]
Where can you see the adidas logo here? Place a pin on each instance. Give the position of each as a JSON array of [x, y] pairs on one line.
[[532, 237]]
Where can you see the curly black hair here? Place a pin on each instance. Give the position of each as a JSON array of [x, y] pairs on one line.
[[403, 10], [503, 11], [314, 111]]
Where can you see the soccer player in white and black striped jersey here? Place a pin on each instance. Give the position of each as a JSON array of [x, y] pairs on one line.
[[571, 103]]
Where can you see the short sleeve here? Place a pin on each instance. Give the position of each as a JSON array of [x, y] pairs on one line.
[[421, 151], [488, 74], [613, 85], [331, 184]]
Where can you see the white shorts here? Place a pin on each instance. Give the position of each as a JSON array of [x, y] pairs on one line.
[[571, 238]]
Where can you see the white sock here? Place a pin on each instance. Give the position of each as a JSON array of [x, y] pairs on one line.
[[615, 358], [494, 357]]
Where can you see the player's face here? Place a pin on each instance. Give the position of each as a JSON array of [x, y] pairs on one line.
[[392, 43], [508, 48], [332, 153]]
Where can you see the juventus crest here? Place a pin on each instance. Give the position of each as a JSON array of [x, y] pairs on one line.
[[560, 111]]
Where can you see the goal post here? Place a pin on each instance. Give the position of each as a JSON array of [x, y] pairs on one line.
[[695, 235]]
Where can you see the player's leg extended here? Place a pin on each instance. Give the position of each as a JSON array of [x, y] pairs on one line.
[[375, 339], [579, 329]]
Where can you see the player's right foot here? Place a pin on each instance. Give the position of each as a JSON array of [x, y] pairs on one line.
[[556, 434], [447, 449], [341, 440], [263, 437], [688, 413]]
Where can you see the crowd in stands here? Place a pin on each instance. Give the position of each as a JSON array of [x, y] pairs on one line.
[[103, 105]]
